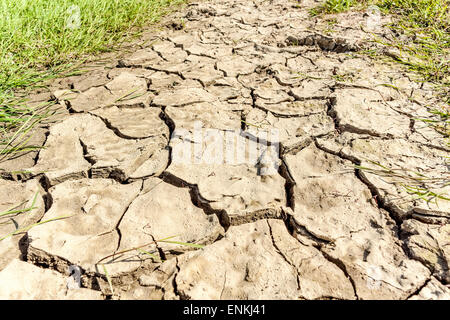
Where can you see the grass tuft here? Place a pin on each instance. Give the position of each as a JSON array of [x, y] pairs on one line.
[[333, 6], [41, 40], [27, 228], [140, 249], [39, 34], [422, 29], [414, 183]]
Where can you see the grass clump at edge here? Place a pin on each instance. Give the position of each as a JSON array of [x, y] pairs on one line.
[[38, 34], [426, 24], [333, 6], [41, 40]]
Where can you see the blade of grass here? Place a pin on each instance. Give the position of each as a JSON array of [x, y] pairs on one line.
[[149, 254], [108, 278], [25, 229], [11, 211], [194, 245], [132, 249]]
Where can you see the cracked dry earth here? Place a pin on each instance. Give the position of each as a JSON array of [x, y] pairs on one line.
[[319, 228]]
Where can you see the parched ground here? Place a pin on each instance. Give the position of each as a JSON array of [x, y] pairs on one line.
[[335, 221]]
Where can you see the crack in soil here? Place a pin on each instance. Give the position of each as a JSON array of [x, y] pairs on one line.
[[230, 31]]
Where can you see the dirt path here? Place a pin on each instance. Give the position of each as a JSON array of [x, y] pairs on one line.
[[313, 213]]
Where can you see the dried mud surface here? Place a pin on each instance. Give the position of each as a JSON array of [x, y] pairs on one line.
[[318, 228]]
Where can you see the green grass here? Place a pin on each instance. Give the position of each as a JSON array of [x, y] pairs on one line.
[[333, 6], [414, 183], [422, 38], [140, 249], [42, 39], [6, 217], [16, 210], [426, 25], [108, 278], [17, 125], [422, 29], [440, 123], [27, 228]]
